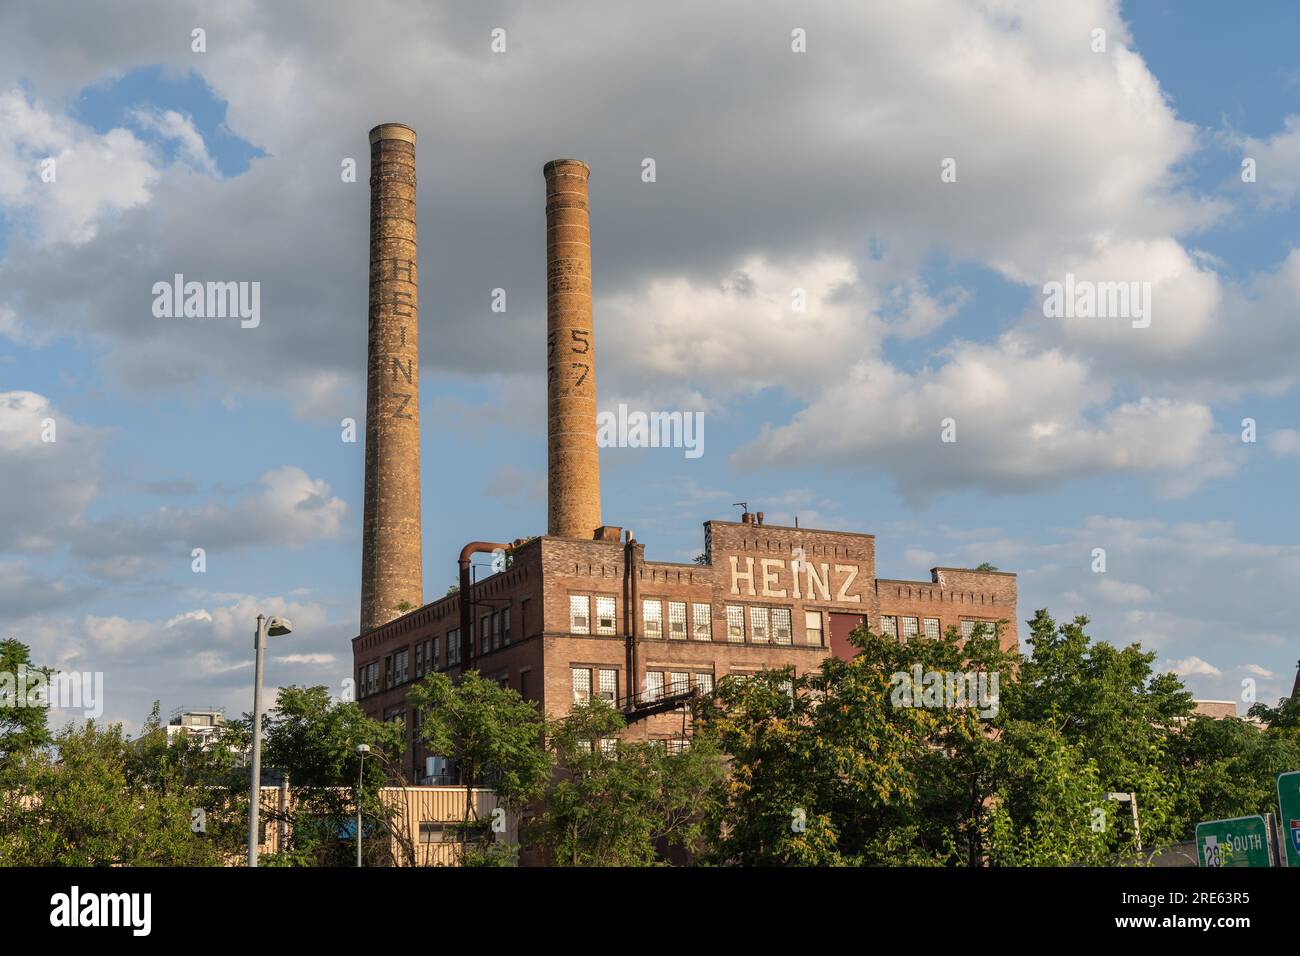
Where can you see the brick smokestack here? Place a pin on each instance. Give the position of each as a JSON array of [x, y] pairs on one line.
[[391, 571], [572, 461]]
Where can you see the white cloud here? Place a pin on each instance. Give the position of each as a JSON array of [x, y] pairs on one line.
[[1122, 592], [47, 483], [1277, 163], [95, 175], [171, 125], [1284, 442], [1023, 421], [1193, 665]]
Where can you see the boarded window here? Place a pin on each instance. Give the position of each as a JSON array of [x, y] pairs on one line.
[[813, 627]]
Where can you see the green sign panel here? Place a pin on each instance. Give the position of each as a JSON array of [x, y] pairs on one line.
[[1242, 841], [1288, 802]]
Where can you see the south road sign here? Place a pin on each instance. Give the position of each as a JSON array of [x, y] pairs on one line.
[[1288, 804], [1241, 841]]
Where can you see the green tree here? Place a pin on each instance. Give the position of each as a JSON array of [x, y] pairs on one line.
[[314, 739], [493, 736], [96, 804], [23, 725], [624, 806], [837, 768], [1109, 702], [1227, 768]]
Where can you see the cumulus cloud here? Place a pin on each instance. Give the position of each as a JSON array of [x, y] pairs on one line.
[[139, 655], [1023, 420], [93, 175], [176, 127], [48, 483], [1277, 163], [1193, 665], [287, 509]]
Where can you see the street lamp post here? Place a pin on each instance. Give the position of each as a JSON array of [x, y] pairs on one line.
[[273, 627], [1132, 800], [362, 750]]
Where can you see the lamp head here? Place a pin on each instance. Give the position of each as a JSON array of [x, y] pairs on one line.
[[278, 626], [363, 748]]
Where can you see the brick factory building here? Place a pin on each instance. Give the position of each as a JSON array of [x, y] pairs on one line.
[[580, 612]]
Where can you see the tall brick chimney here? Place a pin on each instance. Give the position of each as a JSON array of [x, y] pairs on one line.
[[572, 461], [391, 571]]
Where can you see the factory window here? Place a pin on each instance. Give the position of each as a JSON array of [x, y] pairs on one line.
[[372, 678], [361, 681], [654, 685], [758, 624], [781, 625], [735, 624], [584, 746], [439, 832], [609, 686], [909, 628], [608, 746], [653, 615], [581, 684], [419, 660], [605, 615], [400, 665], [677, 620], [484, 634], [505, 626], [813, 627], [388, 670], [968, 628], [435, 651], [889, 626], [496, 630], [679, 682], [579, 614], [678, 745], [703, 614], [932, 628], [453, 646], [704, 683]]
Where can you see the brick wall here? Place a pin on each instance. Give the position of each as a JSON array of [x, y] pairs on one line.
[[755, 567]]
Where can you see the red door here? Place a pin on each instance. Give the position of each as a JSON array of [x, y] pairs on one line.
[[842, 625]]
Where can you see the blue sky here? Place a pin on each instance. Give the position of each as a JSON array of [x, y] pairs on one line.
[[776, 171]]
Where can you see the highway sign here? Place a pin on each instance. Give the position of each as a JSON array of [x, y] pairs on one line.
[[1288, 804], [1241, 841]]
